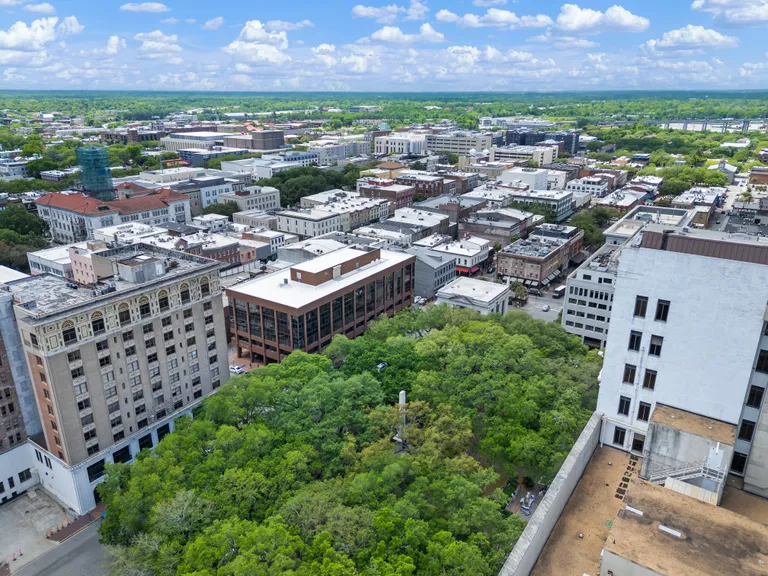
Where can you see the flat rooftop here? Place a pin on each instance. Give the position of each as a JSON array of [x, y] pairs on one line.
[[712, 541], [534, 246], [278, 287], [472, 289], [590, 511], [47, 294], [684, 421]]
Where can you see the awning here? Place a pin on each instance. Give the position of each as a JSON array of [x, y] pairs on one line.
[[462, 270], [545, 282], [475, 269]]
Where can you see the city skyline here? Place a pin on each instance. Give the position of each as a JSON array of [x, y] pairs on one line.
[[486, 45]]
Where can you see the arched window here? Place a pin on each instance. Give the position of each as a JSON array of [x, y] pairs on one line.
[[97, 323], [124, 314], [205, 287], [184, 293], [68, 332], [162, 301], [144, 309]]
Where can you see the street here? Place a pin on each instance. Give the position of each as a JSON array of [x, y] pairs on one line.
[[535, 306], [80, 555]]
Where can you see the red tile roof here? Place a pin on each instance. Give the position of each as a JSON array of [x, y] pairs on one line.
[[88, 206]]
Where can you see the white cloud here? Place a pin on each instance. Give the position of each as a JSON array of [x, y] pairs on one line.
[[417, 10], [486, 3], [325, 53], [572, 18], [283, 26], [145, 7], [214, 23], [562, 42], [692, 37], [156, 45], [43, 8], [40, 32], [240, 67], [257, 53], [735, 12], [383, 15], [495, 18], [393, 34], [170, 21], [69, 27], [113, 47], [190, 20], [254, 31], [21, 58]]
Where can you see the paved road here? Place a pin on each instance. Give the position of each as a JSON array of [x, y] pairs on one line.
[[535, 306], [81, 555]]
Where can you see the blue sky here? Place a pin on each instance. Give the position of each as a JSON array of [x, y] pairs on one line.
[[408, 45]]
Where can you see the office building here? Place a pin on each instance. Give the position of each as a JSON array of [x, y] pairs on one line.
[[256, 219], [481, 295], [201, 140], [258, 167], [353, 210], [622, 200], [276, 240], [398, 195], [399, 143], [539, 155], [455, 207], [308, 222], [304, 306], [499, 224], [559, 202], [113, 364], [542, 256], [74, 217], [425, 184], [95, 174], [257, 140], [471, 252], [253, 198], [333, 151], [199, 156], [533, 178], [203, 191], [593, 185], [420, 223], [11, 169], [458, 142], [432, 272]]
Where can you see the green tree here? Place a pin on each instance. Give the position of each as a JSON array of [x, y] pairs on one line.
[[225, 209]]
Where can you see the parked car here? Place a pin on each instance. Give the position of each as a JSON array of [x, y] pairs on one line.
[[534, 292], [491, 270], [236, 370], [545, 308]]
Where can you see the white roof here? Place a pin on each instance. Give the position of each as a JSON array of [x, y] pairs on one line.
[[464, 247], [59, 254], [307, 214], [418, 217], [9, 274], [472, 289], [273, 287]]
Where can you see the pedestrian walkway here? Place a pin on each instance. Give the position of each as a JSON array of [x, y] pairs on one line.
[[78, 524]]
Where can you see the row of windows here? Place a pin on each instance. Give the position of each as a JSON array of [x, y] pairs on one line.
[[643, 409], [641, 308], [649, 379], [654, 349]]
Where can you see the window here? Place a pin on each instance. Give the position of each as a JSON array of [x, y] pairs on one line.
[[101, 346], [755, 396], [50, 409], [124, 316], [73, 356], [142, 423], [123, 455], [111, 391], [89, 435], [145, 442], [77, 373], [83, 404], [106, 361], [108, 377], [746, 430], [33, 339], [93, 449], [138, 395], [130, 351], [634, 340], [24, 475], [133, 366], [163, 303], [762, 361], [149, 342], [127, 335], [98, 326], [738, 463], [649, 380], [152, 358], [662, 310], [69, 335], [170, 350], [164, 430], [624, 404], [114, 407], [191, 341], [169, 335], [87, 419], [141, 409], [118, 436], [147, 329], [54, 426], [619, 434], [629, 373], [96, 470], [655, 348], [144, 310], [167, 321], [643, 411], [173, 364], [641, 305]]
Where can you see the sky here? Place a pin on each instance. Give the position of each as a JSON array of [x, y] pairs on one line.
[[391, 45]]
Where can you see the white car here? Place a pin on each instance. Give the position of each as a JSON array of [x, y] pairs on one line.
[[545, 308], [236, 370]]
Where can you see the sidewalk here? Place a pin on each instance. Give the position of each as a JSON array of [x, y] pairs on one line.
[[77, 525]]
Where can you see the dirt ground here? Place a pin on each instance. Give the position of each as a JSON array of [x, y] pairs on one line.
[[753, 507], [590, 511]]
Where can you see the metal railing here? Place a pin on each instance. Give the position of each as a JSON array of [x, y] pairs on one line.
[[688, 471]]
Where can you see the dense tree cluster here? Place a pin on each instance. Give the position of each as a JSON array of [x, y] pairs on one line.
[[20, 232], [296, 183], [291, 469], [593, 222]]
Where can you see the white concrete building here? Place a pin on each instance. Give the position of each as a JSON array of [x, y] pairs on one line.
[[330, 151], [539, 155], [594, 185], [676, 340], [258, 167], [534, 178], [13, 169], [308, 222], [254, 198], [458, 142], [399, 143], [481, 295], [471, 252], [203, 140]]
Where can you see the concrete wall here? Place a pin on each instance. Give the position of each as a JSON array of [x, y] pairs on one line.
[[528, 548], [612, 564], [16, 358]]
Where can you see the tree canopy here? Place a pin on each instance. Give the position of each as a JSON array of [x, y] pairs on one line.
[[291, 469], [225, 209]]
